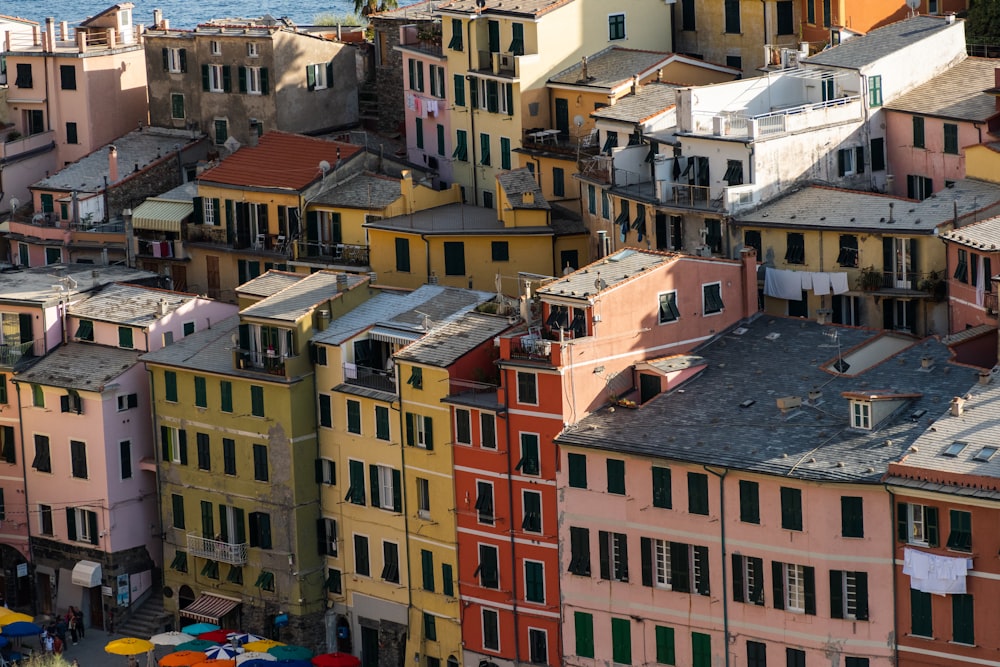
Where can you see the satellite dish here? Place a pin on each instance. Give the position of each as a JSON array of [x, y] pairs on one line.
[[578, 120], [14, 203], [232, 144], [324, 167]]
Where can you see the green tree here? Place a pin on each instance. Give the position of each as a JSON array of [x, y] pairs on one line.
[[983, 23], [366, 7]]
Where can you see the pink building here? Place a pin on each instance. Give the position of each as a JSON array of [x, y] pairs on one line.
[[928, 128], [739, 518], [71, 91], [88, 448]]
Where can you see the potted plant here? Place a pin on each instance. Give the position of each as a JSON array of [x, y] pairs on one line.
[[870, 279], [934, 285]]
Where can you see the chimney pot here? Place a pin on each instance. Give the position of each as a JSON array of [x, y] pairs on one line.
[[112, 164]]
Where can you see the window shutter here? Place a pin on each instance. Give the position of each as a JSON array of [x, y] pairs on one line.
[[373, 476], [264, 82], [701, 558], [509, 89], [166, 59], [646, 551], [859, 160], [428, 433], [738, 578], [836, 594], [888, 253], [227, 79], [810, 586], [757, 591], [329, 75], [931, 525], [902, 527], [71, 523], [64, 403], [199, 210], [182, 443], [778, 584], [184, 60], [319, 471], [447, 583], [310, 77], [841, 159], [680, 567], [861, 595], [321, 535], [243, 79], [409, 429], [622, 572], [164, 444], [397, 491], [205, 79], [605, 549], [223, 523]]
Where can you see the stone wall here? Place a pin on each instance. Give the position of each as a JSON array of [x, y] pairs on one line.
[[389, 76]]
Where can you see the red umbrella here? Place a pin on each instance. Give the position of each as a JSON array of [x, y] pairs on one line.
[[217, 636], [336, 660]]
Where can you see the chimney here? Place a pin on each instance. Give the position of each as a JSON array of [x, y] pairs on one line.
[[891, 219], [157, 18], [949, 18], [584, 75], [748, 256], [112, 164], [161, 307], [63, 31], [957, 406], [341, 282], [50, 34], [635, 85]]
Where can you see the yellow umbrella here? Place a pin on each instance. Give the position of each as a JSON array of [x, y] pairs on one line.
[[262, 645], [128, 646], [13, 617]]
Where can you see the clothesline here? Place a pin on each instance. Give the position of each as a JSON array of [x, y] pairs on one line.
[[931, 573], [785, 284]]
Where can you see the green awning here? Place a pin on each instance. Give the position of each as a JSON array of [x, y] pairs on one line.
[[161, 216]]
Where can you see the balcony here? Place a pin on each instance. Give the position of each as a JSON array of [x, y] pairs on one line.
[[780, 121], [552, 141], [372, 378], [13, 354], [470, 392], [268, 362], [498, 63], [908, 283], [423, 37], [217, 550], [343, 254], [166, 249], [990, 303]]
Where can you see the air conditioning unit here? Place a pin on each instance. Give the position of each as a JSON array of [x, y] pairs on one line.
[[703, 251]]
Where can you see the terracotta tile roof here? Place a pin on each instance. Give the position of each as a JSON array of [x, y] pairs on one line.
[[279, 160], [523, 8]]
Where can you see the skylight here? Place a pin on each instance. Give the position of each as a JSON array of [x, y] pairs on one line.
[[954, 449], [985, 454]]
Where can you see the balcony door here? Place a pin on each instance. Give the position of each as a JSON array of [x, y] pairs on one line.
[[900, 261], [562, 117]]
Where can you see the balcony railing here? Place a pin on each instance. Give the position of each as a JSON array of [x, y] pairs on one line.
[[333, 253], [372, 378], [217, 550], [531, 348], [990, 303], [13, 353], [267, 362], [779, 121]]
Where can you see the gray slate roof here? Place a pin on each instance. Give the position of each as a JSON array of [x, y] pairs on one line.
[[978, 426], [702, 422], [612, 271], [208, 351], [269, 283], [823, 207], [983, 235], [611, 67], [129, 304], [957, 94], [445, 345], [80, 366], [185, 192], [858, 52], [365, 191], [652, 100], [298, 299], [37, 284], [519, 182], [137, 147], [454, 218]]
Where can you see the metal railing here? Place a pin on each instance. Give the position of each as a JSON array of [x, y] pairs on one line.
[[217, 550], [372, 378], [990, 303], [12, 353], [255, 360], [333, 253], [528, 348]]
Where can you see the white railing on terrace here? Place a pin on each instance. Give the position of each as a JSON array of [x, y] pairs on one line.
[[224, 552], [778, 121]]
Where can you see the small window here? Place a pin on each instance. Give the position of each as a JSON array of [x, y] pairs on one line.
[[951, 138], [416, 378], [795, 248], [527, 388], [985, 454], [487, 431], [257, 401], [616, 476], [215, 46], [875, 91], [918, 132], [616, 27], [253, 49], [353, 417], [712, 298], [125, 338], [954, 449], [861, 415], [668, 307], [500, 251], [72, 136]]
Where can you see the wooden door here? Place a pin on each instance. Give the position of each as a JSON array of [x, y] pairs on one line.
[[212, 275]]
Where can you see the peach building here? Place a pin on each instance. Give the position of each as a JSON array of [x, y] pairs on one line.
[[732, 512]]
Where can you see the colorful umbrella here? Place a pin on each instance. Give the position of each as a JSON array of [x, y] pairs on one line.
[[290, 652], [219, 636], [215, 663], [259, 663], [292, 663], [336, 660], [182, 659], [15, 617], [172, 638], [198, 628], [196, 645], [222, 652], [21, 629], [259, 656], [242, 638], [128, 646], [262, 645]]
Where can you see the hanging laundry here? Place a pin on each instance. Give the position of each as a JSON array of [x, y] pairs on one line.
[[838, 283], [807, 280], [931, 573], [783, 284], [821, 284]]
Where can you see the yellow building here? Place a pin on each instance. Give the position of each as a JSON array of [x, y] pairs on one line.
[[859, 258], [498, 71], [234, 412], [477, 248], [371, 509]]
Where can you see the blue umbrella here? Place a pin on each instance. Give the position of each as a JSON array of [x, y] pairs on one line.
[[290, 663], [259, 663], [199, 628], [21, 629]]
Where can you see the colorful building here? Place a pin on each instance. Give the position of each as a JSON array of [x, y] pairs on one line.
[[733, 511], [84, 410], [374, 527], [828, 21], [584, 330], [469, 246], [971, 253], [239, 505]]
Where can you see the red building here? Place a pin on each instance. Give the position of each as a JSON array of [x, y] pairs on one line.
[[973, 258], [586, 331]]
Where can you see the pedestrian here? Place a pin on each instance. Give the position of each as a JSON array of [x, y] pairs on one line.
[[75, 663], [57, 645], [71, 621], [48, 643], [61, 628], [78, 615]]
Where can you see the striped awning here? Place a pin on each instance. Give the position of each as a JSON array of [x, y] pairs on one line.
[[161, 216], [395, 336], [209, 608]]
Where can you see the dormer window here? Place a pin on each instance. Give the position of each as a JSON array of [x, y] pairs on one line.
[[861, 415]]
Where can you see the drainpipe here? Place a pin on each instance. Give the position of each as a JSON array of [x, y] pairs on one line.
[[405, 505], [427, 258], [722, 538], [892, 560], [24, 477], [472, 113], [510, 514]]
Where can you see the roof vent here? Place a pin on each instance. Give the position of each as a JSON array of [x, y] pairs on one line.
[[957, 406], [927, 363], [789, 402], [161, 307]]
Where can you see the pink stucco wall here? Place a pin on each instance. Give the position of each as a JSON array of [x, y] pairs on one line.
[[931, 161], [825, 640], [430, 120]]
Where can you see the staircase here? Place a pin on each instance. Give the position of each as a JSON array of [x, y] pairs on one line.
[[147, 620], [368, 104]]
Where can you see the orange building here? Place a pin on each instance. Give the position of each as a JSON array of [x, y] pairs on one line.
[[585, 330], [860, 16]]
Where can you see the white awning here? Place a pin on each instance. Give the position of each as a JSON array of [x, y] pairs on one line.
[[87, 573], [394, 336]]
